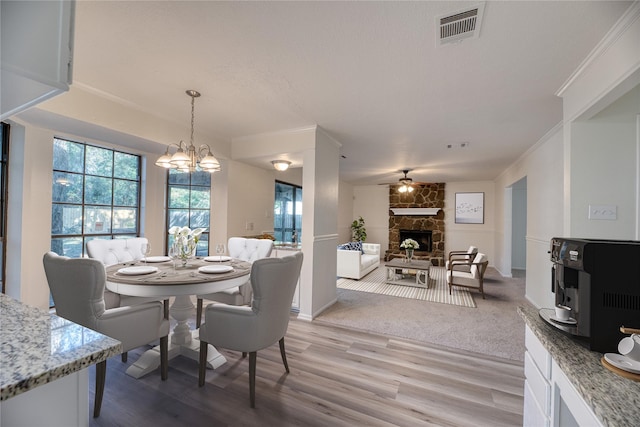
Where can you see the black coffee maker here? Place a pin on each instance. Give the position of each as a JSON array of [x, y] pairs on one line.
[[600, 281]]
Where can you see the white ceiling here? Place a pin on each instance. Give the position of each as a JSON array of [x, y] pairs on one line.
[[369, 73]]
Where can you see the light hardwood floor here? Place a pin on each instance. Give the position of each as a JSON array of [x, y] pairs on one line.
[[339, 377]]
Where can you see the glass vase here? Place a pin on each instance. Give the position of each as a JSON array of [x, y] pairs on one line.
[[409, 254], [185, 252]]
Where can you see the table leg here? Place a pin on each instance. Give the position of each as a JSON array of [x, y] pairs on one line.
[[391, 274], [422, 278], [183, 341]]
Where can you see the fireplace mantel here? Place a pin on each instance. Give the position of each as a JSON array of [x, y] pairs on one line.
[[415, 211]]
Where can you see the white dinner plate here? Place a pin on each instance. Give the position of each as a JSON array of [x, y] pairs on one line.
[[134, 271], [215, 269], [623, 362], [218, 258], [156, 259], [569, 321]]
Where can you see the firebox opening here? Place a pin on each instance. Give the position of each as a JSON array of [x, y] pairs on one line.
[[423, 237]]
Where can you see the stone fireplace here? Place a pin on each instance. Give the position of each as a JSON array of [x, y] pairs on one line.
[[428, 228]]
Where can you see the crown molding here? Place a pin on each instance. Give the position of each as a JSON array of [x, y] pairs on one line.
[[619, 28]]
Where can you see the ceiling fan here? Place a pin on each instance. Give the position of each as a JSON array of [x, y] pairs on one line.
[[405, 184]]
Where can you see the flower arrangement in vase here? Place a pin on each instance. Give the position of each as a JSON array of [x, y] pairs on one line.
[[409, 245], [185, 242]]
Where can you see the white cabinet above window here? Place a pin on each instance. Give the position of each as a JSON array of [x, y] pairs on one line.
[[36, 52]]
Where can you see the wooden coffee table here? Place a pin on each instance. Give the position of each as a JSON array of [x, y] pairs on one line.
[[414, 273]]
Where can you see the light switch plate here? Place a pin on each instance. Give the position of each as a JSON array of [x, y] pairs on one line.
[[609, 212]]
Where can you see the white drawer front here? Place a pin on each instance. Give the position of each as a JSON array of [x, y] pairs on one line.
[[540, 387], [538, 353]]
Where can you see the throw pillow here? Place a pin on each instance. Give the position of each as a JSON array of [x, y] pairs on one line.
[[351, 246]]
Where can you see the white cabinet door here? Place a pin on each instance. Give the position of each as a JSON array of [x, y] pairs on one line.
[[36, 52], [568, 407], [534, 415], [539, 385], [549, 396], [60, 403], [537, 390]]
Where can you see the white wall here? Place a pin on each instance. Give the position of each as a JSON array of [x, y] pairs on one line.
[[29, 225], [461, 236], [609, 72], [372, 203], [519, 225], [250, 199], [603, 169], [345, 211], [320, 224], [543, 168]]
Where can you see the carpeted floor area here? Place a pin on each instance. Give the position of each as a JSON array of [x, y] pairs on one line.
[[493, 328]]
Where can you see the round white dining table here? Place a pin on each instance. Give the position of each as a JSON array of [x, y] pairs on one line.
[[180, 282]]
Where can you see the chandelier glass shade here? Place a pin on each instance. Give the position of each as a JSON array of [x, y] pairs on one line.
[[188, 158]]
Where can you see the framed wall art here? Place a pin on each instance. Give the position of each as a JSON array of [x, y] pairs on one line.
[[469, 208]]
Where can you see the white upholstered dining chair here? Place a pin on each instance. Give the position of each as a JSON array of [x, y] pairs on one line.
[[77, 286], [245, 249], [252, 328], [117, 251]]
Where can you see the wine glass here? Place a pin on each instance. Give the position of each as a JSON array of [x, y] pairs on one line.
[[173, 254], [220, 250], [146, 250]]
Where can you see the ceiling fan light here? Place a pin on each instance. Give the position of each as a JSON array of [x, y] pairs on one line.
[[281, 165], [402, 189]]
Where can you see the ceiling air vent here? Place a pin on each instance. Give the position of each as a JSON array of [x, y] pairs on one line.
[[464, 24]]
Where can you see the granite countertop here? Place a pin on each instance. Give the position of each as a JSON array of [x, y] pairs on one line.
[[613, 399], [37, 347]]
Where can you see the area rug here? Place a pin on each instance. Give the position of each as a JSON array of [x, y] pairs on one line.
[[438, 290]]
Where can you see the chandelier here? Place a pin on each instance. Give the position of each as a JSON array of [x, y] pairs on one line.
[[189, 158]]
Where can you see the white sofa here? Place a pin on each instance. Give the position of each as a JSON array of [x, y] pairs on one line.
[[354, 264]]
